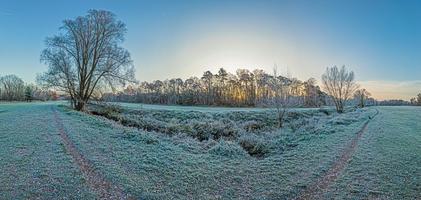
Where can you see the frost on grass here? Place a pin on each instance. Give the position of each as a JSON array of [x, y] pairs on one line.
[[252, 130], [244, 155], [227, 149]]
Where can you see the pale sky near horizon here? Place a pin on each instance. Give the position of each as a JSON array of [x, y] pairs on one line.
[[379, 40]]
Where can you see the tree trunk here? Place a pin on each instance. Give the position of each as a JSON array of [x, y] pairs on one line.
[[80, 106], [281, 114], [341, 108]]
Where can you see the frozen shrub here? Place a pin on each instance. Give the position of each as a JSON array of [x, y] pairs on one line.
[[110, 111], [147, 124], [173, 128], [149, 139], [292, 116], [208, 144], [189, 144], [297, 124], [204, 130], [341, 121], [227, 149], [200, 130], [129, 122], [253, 145], [224, 128], [313, 125], [325, 111], [252, 125]]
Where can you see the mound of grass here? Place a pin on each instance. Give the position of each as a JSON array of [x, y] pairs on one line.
[[253, 145], [110, 111], [227, 149]]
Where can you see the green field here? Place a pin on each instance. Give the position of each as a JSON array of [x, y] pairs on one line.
[[35, 162]]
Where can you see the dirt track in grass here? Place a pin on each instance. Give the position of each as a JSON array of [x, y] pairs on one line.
[[316, 190], [104, 188]]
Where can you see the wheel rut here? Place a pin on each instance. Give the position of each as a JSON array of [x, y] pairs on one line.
[[103, 187], [316, 190]]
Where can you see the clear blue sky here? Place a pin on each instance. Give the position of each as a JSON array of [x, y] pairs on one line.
[[380, 40]]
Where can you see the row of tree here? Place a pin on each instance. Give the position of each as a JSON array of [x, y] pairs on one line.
[[245, 88], [13, 88], [87, 57]]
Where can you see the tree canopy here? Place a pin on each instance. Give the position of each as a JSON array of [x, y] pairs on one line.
[[86, 54]]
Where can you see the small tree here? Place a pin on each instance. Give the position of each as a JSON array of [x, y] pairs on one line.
[[362, 95], [281, 100], [417, 100], [340, 85], [29, 93], [85, 55]]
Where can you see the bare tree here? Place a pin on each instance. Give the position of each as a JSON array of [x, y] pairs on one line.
[[12, 88], [207, 78], [340, 85], [282, 100], [86, 54], [362, 95], [417, 100]]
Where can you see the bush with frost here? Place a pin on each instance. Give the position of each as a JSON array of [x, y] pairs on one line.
[[227, 149], [254, 145]]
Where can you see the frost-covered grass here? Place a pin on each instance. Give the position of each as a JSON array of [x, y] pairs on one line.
[[387, 163], [158, 165], [251, 129], [33, 164]]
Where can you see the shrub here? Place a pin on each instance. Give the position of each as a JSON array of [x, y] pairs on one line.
[[252, 125], [227, 149], [341, 121], [200, 130], [224, 128], [324, 111], [149, 139], [147, 124], [204, 130], [253, 145], [110, 111], [174, 128]]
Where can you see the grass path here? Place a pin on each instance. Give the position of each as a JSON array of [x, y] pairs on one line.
[[317, 190], [33, 162], [104, 188], [387, 162]]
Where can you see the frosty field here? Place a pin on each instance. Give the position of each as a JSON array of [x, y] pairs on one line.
[[48, 151]]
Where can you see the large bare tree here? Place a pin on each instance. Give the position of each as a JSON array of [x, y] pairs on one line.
[[86, 54], [339, 83]]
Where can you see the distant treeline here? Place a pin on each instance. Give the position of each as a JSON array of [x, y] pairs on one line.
[[393, 102], [245, 88], [13, 88]]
